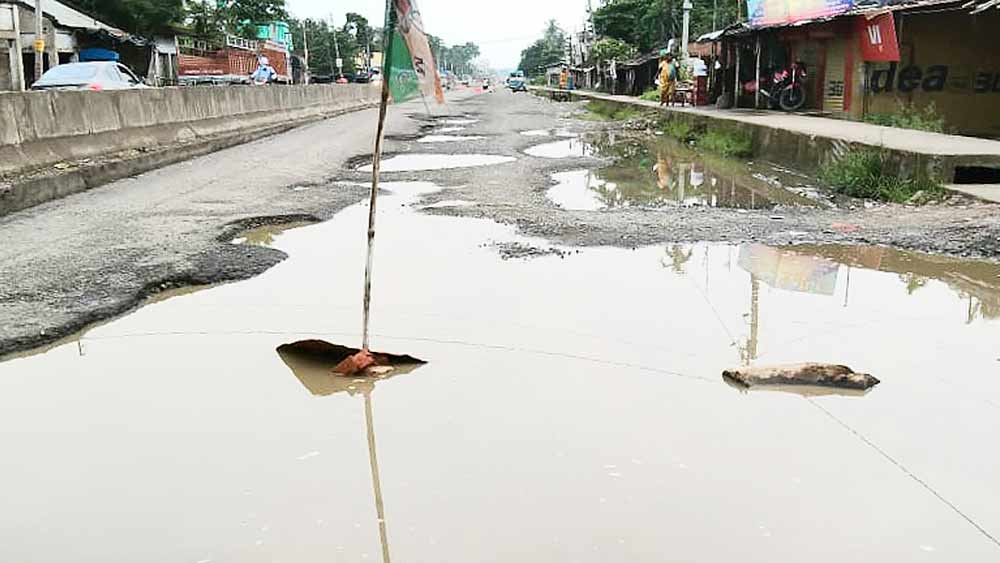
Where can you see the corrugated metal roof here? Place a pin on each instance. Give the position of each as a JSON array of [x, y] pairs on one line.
[[68, 17]]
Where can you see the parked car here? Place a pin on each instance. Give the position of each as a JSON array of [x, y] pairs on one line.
[[98, 75]]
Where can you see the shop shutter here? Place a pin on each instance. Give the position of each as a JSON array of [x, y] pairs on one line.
[[834, 84]]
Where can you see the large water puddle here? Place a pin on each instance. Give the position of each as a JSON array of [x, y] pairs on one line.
[[572, 410], [653, 174], [448, 138], [418, 161], [562, 149]]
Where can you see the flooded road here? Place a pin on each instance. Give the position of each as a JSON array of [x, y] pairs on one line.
[[572, 409], [664, 172]]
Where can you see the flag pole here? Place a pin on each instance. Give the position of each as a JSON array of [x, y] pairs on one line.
[[390, 24]]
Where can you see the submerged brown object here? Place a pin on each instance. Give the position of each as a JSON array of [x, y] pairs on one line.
[[344, 361], [819, 375]]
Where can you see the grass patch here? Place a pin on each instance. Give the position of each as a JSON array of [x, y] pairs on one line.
[[679, 129], [727, 142], [651, 95], [907, 116], [865, 174], [603, 111]]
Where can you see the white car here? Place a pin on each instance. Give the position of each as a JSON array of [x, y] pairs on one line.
[[98, 75]]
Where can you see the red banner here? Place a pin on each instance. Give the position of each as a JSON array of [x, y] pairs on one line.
[[878, 38]]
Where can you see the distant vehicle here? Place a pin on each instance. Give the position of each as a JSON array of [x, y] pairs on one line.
[[98, 75], [465, 81], [231, 61], [368, 77], [516, 82]]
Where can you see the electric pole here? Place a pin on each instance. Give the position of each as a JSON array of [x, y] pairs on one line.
[[685, 36], [336, 46], [39, 41], [305, 52]]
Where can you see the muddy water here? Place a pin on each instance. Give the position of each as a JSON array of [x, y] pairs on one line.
[[562, 149], [416, 162], [652, 174], [572, 409], [447, 138]]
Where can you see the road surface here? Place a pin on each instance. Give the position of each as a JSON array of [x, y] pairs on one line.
[[94, 255]]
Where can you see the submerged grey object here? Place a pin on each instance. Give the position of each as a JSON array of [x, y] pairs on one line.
[[821, 375]]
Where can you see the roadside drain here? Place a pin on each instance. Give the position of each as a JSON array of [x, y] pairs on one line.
[[418, 162]]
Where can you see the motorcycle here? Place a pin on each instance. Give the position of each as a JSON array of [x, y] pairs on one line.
[[784, 89]]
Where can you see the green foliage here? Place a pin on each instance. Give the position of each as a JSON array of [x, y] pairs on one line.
[[545, 52], [323, 49], [139, 17], [727, 142], [608, 48], [459, 58], [908, 116], [679, 129], [865, 174], [647, 24], [651, 95], [605, 111]]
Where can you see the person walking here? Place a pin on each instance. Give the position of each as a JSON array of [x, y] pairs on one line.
[[668, 78]]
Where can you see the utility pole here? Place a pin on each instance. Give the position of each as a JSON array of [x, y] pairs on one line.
[[305, 52], [39, 40], [686, 34], [336, 46]]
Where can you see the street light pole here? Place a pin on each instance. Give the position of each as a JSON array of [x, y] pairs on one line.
[[685, 36], [39, 41], [305, 52], [336, 46]]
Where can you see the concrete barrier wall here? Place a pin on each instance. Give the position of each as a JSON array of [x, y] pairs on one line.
[[40, 129]]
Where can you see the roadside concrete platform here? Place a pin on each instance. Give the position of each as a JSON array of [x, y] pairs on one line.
[[808, 141], [985, 192]]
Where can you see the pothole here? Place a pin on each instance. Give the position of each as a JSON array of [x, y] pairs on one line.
[[418, 161], [449, 203], [562, 149], [448, 138]]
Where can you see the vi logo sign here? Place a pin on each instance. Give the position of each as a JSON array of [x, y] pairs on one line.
[[875, 35]]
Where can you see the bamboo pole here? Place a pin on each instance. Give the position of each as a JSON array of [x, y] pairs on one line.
[[376, 167]]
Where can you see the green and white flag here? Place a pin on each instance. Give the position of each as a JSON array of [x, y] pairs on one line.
[[409, 66]]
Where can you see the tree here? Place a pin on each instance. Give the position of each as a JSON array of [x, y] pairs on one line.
[[547, 51], [648, 24], [608, 48], [138, 17], [242, 16]]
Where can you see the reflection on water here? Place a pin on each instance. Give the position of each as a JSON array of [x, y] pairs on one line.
[[447, 138], [562, 149], [653, 174], [417, 162], [264, 235], [573, 410]]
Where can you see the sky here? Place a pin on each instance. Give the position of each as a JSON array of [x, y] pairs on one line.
[[501, 29]]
